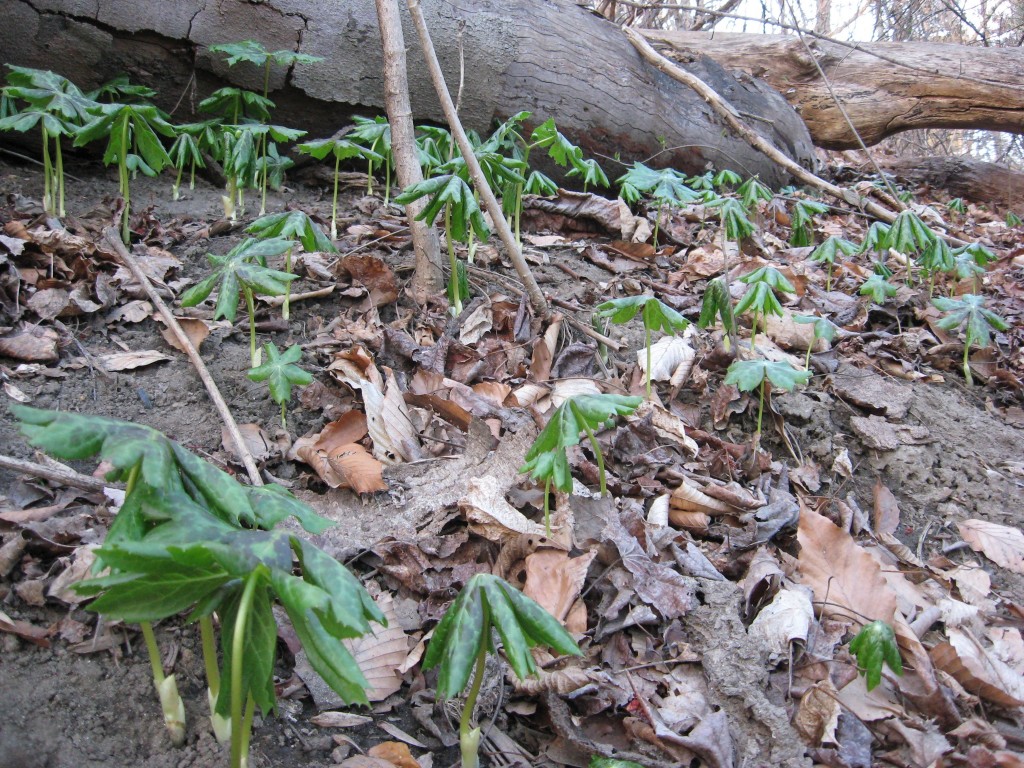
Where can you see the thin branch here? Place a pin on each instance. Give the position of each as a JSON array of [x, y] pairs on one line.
[[55, 473], [537, 300], [113, 239]]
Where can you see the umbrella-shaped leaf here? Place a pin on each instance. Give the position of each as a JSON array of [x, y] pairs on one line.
[[873, 645]]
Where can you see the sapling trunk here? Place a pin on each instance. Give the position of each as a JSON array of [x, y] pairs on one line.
[[469, 738]]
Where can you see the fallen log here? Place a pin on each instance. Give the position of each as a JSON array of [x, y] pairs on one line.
[[551, 57], [885, 88]]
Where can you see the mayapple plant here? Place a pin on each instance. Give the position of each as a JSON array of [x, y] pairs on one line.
[[823, 329], [341, 149], [873, 645], [189, 537], [666, 187], [760, 296], [801, 220], [656, 315], [828, 250], [281, 372], [243, 270], [292, 225], [969, 312], [132, 143], [462, 640], [546, 460], [375, 134], [58, 107], [748, 375]]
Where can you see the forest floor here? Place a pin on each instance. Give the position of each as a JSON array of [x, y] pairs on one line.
[[885, 486]]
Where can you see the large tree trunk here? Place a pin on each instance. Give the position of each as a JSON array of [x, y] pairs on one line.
[[885, 87], [964, 177], [547, 56]]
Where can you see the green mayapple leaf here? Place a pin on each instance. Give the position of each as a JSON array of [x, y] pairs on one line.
[[769, 276], [559, 148], [539, 184], [351, 607], [748, 375], [937, 256], [873, 645], [657, 316], [241, 267], [734, 218], [801, 219], [727, 178], [826, 251], [666, 186], [752, 190], [878, 288], [717, 302], [293, 225], [611, 762], [260, 632], [465, 630], [590, 172], [968, 312], [877, 237], [448, 189], [235, 104], [908, 234], [50, 92], [823, 327]]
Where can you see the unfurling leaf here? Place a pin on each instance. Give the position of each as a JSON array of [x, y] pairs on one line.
[[873, 645]]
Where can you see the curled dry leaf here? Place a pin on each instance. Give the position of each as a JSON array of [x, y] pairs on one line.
[[33, 344], [671, 358], [560, 681], [127, 361], [196, 330], [668, 426], [694, 522], [337, 457], [332, 719], [492, 517], [817, 717], [381, 652], [689, 498], [978, 671], [784, 623], [395, 752]]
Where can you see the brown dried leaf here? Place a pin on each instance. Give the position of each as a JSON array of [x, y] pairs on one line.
[[24, 630], [333, 719], [555, 580], [887, 509], [560, 681], [491, 516], [373, 273], [1001, 544], [817, 717], [381, 652], [127, 361], [846, 580], [978, 671], [395, 752], [196, 331], [33, 344], [689, 498]]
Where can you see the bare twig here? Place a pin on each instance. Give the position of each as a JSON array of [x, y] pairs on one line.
[[56, 474], [113, 239], [537, 300]]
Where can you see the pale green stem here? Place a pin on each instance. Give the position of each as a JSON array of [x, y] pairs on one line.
[[48, 203], [967, 363], [210, 654], [176, 187], [251, 306], [123, 168], [60, 176], [598, 455], [469, 738], [547, 507], [369, 177], [760, 413], [334, 199], [154, 652], [807, 360], [647, 339], [286, 306], [457, 305], [387, 181], [238, 738]]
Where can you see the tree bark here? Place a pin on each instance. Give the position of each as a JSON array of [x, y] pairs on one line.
[[547, 56], [885, 87], [973, 180]]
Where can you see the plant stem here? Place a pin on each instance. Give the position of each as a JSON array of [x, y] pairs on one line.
[[59, 171], [154, 652], [238, 740], [334, 199], [807, 360], [286, 305], [456, 296], [598, 454], [469, 738], [177, 183], [47, 173], [547, 507], [647, 339], [760, 412], [251, 306], [284, 425], [123, 179], [387, 181], [967, 363]]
